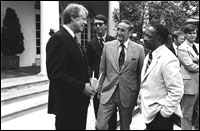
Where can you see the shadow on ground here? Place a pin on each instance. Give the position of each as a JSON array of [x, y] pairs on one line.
[[22, 71]]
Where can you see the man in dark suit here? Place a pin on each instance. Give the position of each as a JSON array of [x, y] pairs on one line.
[[178, 38], [67, 69], [94, 51]]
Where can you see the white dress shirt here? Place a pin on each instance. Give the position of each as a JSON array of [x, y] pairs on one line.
[[69, 30], [175, 47]]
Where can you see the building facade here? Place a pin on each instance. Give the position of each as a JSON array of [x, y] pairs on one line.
[[38, 17]]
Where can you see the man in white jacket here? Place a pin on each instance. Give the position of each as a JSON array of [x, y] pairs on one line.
[[161, 82]]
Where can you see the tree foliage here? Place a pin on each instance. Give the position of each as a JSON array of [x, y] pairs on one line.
[[171, 13], [11, 37], [130, 10]]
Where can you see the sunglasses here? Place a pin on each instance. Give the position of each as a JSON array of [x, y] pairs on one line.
[[100, 24], [191, 33]]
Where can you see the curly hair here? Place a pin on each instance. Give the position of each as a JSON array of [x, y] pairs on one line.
[[163, 32]]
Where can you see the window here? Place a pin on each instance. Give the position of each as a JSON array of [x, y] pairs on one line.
[[92, 31], [84, 37], [87, 34], [38, 34]]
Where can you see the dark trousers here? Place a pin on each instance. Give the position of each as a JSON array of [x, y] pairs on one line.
[[72, 122], [112, 125], [161, 123]]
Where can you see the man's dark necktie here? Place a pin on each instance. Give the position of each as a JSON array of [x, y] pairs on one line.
[[149, 60], [195, 49], [121, 56], [79, 46], [101, 42]]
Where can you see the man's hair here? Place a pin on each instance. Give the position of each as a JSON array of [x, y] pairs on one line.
[[101, 17], [72, 10], [176, 34], [163, 32], [131, 26], [189, 28]]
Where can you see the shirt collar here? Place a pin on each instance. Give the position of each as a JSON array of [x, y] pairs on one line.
[[174, 45], [104, 37], [69, 30], [125, 43]]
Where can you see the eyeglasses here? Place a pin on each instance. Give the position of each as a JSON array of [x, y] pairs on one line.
[[100, 24], [192, 33]]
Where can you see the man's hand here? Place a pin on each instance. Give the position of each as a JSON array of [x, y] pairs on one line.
[[88, 90]]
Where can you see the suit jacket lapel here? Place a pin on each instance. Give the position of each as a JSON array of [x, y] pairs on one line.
[[152, 65], [97, 47], [191, 51], [130, 53], [114, 53], [144, 68], [71, 42]]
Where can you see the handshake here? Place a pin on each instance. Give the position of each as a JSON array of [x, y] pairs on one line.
[[92, 86]]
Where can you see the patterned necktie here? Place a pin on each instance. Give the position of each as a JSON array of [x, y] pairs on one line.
[[149, 60], [79, 46], [195, 49], [121, 56], [101, 42]]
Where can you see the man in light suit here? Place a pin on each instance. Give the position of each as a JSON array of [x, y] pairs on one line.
[[120, 65], [67, 69], [94, 52], [188, 54], [161, 82]]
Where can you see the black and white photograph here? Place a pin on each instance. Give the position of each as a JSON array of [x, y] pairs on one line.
[[99, 65]]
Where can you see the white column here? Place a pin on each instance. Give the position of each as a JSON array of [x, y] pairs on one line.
[[49, 19], [111, 23]]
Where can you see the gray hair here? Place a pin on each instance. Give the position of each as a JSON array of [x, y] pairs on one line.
[[73, 10], [131, 26]]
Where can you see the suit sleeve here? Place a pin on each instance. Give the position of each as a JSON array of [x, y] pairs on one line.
[[186, 61], [56, 57], [174, 85]]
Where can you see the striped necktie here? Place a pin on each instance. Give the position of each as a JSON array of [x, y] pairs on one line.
[[149, 60], [101, 42]]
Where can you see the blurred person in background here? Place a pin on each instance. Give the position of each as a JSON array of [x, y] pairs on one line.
[[188, 55], [94, 52]]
